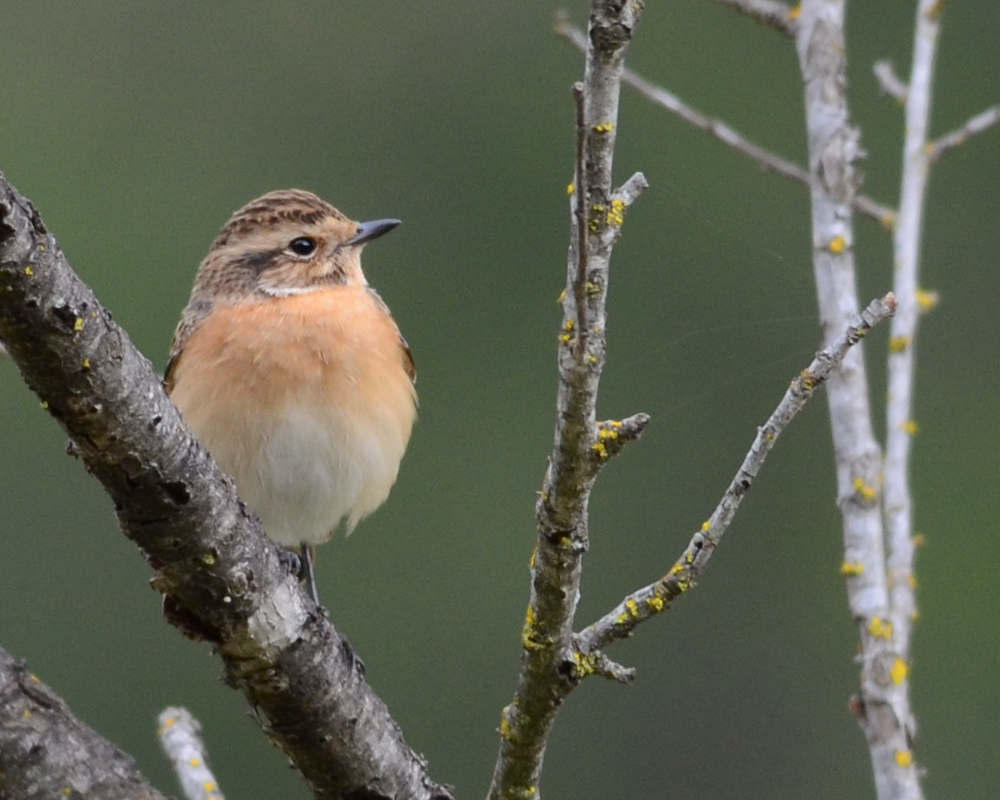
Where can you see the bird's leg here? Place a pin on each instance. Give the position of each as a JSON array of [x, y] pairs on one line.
[[307, 574], [307, 559]]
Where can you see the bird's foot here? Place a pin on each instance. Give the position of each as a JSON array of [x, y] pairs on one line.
[[291, 561]]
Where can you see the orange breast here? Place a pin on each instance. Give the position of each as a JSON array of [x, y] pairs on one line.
[[305, 401]]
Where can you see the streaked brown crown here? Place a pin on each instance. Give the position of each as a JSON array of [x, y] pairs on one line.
[[277, 209]]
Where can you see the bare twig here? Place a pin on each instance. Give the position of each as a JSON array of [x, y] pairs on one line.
[[222, 580], [580, 218], [581, 445], [772, 13], [900, 427], [899, 406], [45, 751], [180, 738], [833, 149], [983, 121], [888, 81], [768, 160], [659, 596]]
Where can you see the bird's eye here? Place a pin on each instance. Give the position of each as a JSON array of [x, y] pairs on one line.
[[302, 246]]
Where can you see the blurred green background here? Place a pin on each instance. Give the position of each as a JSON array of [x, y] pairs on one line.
[[136, 128]]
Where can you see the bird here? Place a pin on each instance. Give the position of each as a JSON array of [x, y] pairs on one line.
[[292, 372]]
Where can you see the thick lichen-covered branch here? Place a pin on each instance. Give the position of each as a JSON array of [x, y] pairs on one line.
[[581, 446], [222, 580], [45, 751], [658, 596]]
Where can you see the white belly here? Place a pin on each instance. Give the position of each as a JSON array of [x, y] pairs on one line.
[[303, 472], [309, 474]]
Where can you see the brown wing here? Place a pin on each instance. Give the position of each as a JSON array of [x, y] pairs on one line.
[[191, 318], [168, 374], [408, 364]]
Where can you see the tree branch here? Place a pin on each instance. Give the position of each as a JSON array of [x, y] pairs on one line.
[[649, 601], [888, 81], [768, 160], [580, 447], [897, 501], [772, 13], [180, 737], [980, 123], [221, 578], [45, 751], [833, 149]]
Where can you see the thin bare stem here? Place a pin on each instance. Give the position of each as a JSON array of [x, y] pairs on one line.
[[580, 190], [180, 737], [833, 148], [897, 501], [768, 160], [899, 405], [772, 13], [659, 596], [888, 81], [980, 123], [581, 445]]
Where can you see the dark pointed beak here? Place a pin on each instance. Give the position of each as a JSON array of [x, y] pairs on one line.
[[371, 230]]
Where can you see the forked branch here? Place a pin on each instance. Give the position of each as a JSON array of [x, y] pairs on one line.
[[882, 703], [657, 597], [581, 446]]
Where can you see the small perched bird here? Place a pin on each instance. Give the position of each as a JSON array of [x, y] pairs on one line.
[[291, 370]]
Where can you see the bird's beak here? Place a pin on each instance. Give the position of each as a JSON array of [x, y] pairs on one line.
[[371, 230]]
